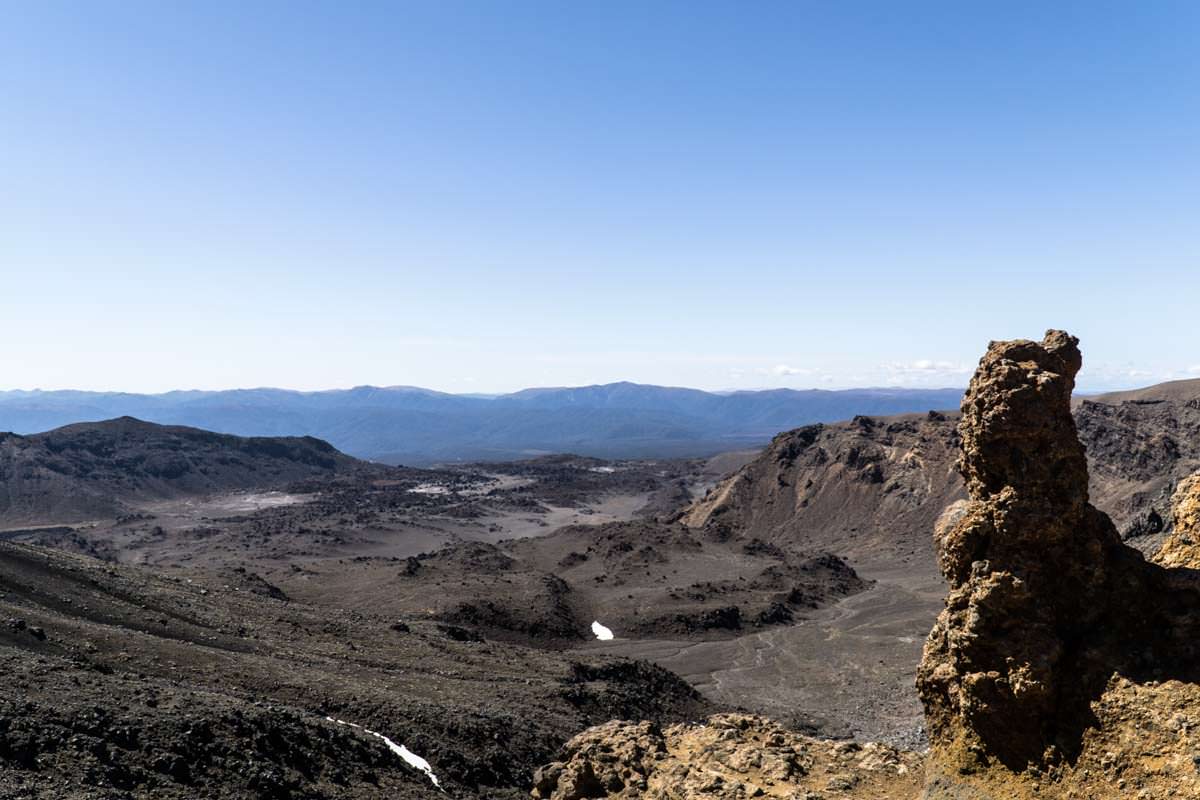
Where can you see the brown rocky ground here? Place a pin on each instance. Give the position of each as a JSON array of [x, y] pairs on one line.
[[729, 756]]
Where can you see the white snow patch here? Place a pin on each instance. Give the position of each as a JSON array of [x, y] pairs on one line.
[[410, 758], [605, 470], [602, 633]]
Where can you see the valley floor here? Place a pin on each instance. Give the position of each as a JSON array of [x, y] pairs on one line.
[[847, 671]]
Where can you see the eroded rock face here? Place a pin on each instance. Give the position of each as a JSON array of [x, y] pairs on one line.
[[1182, 549], [1046, 604]]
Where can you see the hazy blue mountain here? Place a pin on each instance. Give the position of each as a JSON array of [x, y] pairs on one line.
[[418, 426]]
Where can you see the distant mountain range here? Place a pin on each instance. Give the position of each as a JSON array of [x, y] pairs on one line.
[[417, 426]]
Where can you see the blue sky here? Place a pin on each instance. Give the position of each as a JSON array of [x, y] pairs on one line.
[[484, 196]]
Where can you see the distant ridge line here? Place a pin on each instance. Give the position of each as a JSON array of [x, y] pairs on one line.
[[418, 426]]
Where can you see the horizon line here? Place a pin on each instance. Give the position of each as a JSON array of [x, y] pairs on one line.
[[495, 395], [486, 394]]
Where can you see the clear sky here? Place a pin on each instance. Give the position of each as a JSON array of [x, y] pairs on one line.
[[482, 196]]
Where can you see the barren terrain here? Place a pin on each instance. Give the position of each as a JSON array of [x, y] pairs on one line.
[[798, 583]]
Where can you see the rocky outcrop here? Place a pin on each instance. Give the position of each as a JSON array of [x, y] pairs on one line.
[[1051, 624], [1182, 548], [730, 756], [1064, 664]]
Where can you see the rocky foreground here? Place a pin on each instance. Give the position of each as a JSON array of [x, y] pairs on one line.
[[731, 756], [122, 683], [1064, 664]]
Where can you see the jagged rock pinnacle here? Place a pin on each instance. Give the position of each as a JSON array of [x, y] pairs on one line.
[[994, 661], [1046, 604], [1017, 428]]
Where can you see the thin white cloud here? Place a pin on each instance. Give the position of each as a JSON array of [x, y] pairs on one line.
[[1107, 376], [923, 372], [927, 365]]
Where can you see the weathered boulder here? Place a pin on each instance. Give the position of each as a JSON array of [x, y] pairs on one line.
[[610, 760]]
